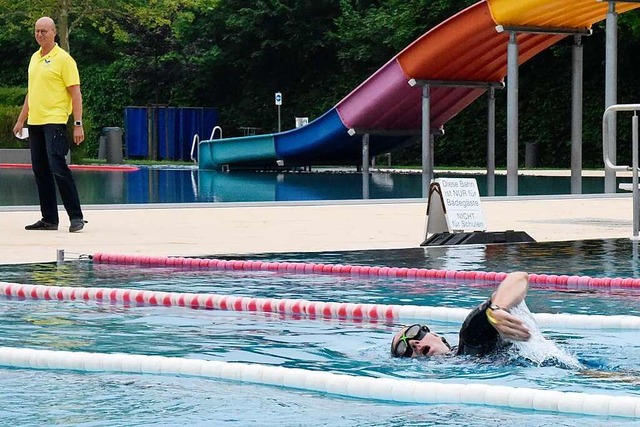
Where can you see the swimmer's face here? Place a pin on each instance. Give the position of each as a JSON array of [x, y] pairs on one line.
[[418, 341]]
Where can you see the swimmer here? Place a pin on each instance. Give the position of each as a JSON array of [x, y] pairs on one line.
[[487, 329]]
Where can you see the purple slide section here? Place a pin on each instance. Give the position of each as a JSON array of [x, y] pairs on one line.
[[383, 101], [387, 101]]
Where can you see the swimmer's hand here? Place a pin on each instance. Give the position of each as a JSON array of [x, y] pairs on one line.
[[509, 326]]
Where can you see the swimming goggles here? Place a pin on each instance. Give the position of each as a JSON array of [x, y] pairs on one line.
[[413, 332]]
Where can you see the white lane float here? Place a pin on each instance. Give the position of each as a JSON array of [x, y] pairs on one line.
[[385, 389]]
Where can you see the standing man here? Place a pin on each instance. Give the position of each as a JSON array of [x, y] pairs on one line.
[[53, 94]]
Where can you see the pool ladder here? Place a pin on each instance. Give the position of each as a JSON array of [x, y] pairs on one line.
[[196, 141], [610, 166]]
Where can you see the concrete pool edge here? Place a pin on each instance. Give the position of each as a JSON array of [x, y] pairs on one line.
[[217, 229]]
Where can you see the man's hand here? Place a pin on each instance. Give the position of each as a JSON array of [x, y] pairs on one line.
[[78, 135], [17, 128]]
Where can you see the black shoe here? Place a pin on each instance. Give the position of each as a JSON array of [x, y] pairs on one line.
[[41, 225], [77, 225]]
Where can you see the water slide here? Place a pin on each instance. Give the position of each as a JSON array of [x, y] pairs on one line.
[[466, 47]]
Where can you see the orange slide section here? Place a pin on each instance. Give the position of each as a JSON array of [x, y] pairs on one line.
[[575, 14]]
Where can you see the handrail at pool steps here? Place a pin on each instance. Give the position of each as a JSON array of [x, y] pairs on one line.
[[196, 142], [609, 164]]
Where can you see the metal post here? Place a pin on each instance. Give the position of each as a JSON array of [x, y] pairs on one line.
[[365, 166], [432, 149], [611, 91], [279, 119], [491, 143], [636, 191], [60, 256], [512, 115], [427, 170], [576, 117]]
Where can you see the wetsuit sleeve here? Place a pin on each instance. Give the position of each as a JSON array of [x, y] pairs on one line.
[[477, 336]]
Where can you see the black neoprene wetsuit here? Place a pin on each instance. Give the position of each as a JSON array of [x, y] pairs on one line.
[[477, 336]]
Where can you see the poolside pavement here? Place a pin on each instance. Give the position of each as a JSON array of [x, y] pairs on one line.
[[245, 228]]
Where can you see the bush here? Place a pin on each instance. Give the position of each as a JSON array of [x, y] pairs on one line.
[[11, 100], [8, 116], [12, 95]]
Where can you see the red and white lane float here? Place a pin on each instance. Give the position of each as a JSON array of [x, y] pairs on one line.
[[557, 281], [299, 307]]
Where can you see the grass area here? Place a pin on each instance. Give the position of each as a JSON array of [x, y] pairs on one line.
[[141, 162]]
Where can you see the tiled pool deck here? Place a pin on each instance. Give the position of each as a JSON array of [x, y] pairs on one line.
[[217, 229]]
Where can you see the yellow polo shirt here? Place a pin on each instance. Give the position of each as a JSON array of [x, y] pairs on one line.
[[49, 78]]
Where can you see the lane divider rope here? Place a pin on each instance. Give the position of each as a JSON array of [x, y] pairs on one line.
[[385, 389], [560, 281], [299, 307]]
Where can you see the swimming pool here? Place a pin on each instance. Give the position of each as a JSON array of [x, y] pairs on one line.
[[342, 346], [190, 185]]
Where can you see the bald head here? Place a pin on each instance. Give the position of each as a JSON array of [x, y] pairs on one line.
[[46, 23]]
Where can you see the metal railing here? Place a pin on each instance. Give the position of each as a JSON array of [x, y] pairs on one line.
[[610, 164], [196, 141]]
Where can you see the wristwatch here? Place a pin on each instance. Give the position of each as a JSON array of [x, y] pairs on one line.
[[494, 307], [77, 123]]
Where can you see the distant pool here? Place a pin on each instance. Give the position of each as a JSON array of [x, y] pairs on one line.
[[190, 185]]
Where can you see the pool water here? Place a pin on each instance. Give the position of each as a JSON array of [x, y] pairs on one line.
[[190, 185], [327, 345]]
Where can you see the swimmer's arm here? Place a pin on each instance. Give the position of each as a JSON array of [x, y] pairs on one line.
[[510, 293]]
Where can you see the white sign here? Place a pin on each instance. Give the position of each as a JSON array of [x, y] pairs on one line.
[[454, 206], [278, 98], [302, 121], [462, 204]]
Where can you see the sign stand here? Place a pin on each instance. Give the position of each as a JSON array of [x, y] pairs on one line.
[[436, 212], [455, 216]]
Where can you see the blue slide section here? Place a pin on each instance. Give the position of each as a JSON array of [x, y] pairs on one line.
[[324, 141], [324, 135]]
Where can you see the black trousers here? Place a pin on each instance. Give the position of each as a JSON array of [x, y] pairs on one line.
[[49, 146]]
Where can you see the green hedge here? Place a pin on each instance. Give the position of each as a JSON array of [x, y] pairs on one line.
[[11, 100], [12, 95], [8, 116]]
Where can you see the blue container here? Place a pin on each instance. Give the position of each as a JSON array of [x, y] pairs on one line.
[[136, 135], [167, 133], [172, 130]]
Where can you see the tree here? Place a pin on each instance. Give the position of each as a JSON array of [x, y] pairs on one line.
[[106, 16]]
